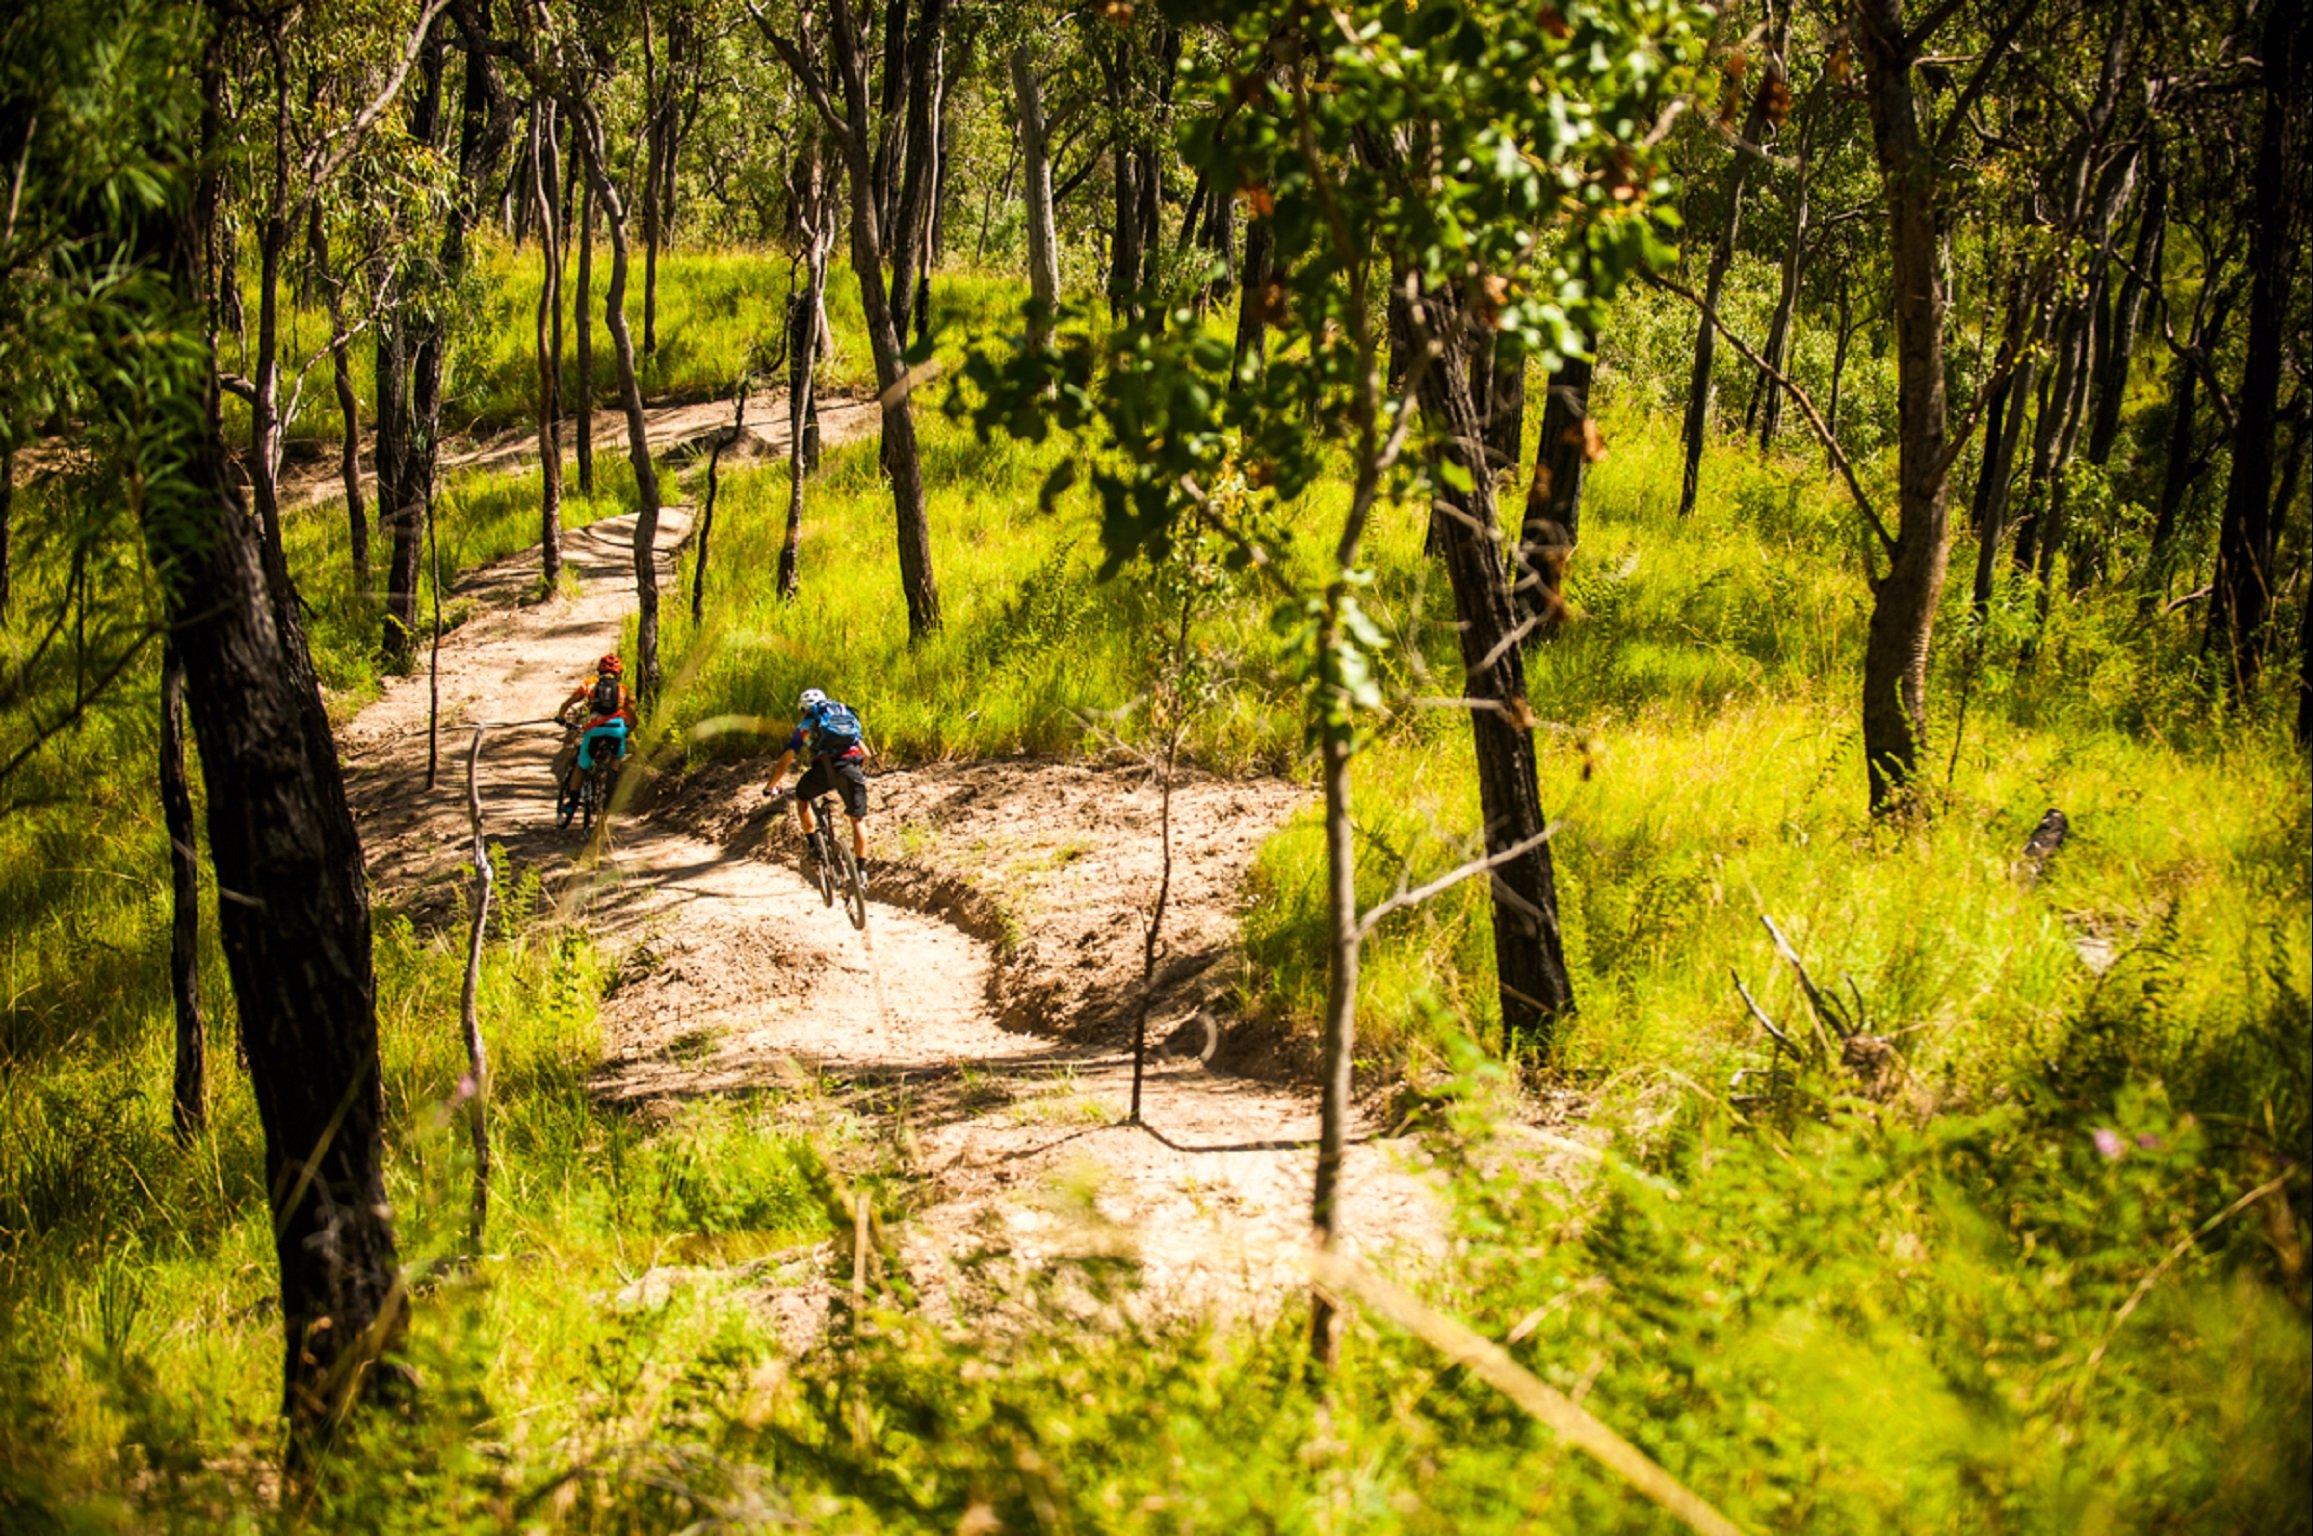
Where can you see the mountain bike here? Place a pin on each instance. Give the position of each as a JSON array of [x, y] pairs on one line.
[[833, 866], [591, 798]]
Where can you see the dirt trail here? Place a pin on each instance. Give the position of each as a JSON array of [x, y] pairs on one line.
[[671, 429], [979, 1026]]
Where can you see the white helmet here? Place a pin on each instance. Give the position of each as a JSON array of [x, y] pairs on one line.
[[812, 698]]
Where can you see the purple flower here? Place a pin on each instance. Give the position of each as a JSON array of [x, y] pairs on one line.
[[2149, 1141], [2108, 1143]]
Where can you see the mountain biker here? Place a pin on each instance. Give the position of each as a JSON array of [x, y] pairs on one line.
[[609, 719], [832, 732]]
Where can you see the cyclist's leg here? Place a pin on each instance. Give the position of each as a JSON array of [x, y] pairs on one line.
[[814, 783], [851, 781]]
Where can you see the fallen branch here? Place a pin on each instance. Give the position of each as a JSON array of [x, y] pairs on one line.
[[1760, 1014], [475, 1090], [1827, 1012]]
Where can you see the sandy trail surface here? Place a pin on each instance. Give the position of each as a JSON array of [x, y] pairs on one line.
[[978, 1029]]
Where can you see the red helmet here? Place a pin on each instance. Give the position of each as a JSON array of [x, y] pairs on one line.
[[610, 666]]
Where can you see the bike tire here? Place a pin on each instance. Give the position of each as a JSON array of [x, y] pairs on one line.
[[822, 854], [854, 888]]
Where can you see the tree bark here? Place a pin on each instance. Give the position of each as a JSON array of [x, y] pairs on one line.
[[7, 526], [189, 1090], [646, 523], [348, 408], [707, 511], [2242, 602], [1554, 498], [1340, 1035], [583, 317], [1036, 185], [1903, 605], [2116, 341], [817, 232], [546, 179], [1756, 124], [901, 459], [1529, 956], [1768, 395], [295, 910], [1253, 300], [910, 232]]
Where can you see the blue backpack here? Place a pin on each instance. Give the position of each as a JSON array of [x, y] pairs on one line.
[[834, 729]]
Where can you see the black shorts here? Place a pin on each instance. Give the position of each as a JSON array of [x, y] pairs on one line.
[[841, 774]]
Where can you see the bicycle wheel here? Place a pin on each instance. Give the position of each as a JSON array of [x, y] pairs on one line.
[[822, 852], [854, 886]]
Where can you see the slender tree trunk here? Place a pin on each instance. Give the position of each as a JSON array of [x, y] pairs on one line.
[[475, 1089], [910, 231], [348, 408], [546, 178], [1253, 300], [1554, 499], [296, 925], [7, 526], [1341, 919], [646, 479], [2246, 533], [655, 89], [583, 315], [901, 459], [803, 313], [1757, 122], [1839, 343], [707, 512], [1529, 958], [189, 1094], [1904, 599], [2118, 340], [1036, 184], [1769, 395]]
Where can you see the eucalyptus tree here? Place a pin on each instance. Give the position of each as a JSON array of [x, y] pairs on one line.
[[2273, 212], [851, 116], [116, 290]]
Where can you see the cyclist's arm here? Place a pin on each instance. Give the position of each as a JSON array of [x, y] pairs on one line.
[[779, 769]]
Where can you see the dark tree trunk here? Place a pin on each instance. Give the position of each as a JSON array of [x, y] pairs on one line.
[[911, 222], [2053, 434], [1503, 414], [348, 407], [1768, 395], [901, 459], [296, 926], [1036, 189], [582, 312], [1903, 600], [1253, 301], [189, 1092], [2116, 341], [2243, 599], [1839, 344], [1529, 958], [1554, 498], [1756, 124], [546, 182], [7, 526], [646, 479]]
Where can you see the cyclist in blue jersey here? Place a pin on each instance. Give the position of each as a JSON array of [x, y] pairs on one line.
[[831, 731]]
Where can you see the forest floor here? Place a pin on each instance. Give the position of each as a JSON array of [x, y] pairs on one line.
[[974, 1039]]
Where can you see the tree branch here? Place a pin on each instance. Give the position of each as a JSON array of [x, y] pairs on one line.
[[1804, 400]]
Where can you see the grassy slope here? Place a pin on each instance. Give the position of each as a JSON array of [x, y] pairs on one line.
[[1856, 1316]]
